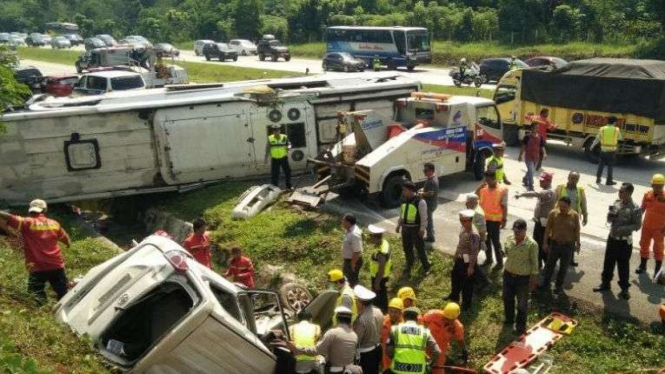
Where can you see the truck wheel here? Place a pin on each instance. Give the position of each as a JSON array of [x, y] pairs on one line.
[[511, 135], [410, 67], [391, 195], [591, 154], [235, 58], [287, 58], [294, 296], [479, 166], [262, 57]]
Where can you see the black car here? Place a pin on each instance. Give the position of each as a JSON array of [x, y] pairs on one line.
[[269, 46], [35, 40], [166, 50], [92, 43], [222, 51], [342, 61], [74, 39], [28, 75], [494, 68]]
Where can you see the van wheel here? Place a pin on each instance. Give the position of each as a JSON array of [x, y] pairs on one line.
[[511, 135], [391, 195], [244, 52], [262, 57], [591, 154], [294, 296], [287, 58], [235, 58], [207, 57], [479, 166]]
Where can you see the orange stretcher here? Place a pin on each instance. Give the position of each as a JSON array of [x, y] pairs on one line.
[[525, 349]]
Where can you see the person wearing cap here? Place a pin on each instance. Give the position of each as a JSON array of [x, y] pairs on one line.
[[347, 297], [198, 243], [430, 192], [40, 237], [305, 334], [394, 318], [380, 267], [493, 199], [408, 344], [546, 202], [463, 275], [338, 345], [561, 239], [445, 327], [368, 329], [608, 137], [532, 147], [480, 225], [408, 296], [653, 225], [277, 148], [241, 269], [352, 249], [413, 225], [495, 163], [520, 275], [577, 197]]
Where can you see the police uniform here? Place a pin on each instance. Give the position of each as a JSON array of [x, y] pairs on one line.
[[368, 332], [413, 218], [408, 345], [466, 253], [381, 253], [278, 149]]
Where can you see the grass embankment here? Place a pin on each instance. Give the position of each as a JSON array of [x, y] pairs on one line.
[[56, 56], [307, 244]]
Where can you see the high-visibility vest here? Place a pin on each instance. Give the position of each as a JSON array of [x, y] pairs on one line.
[[409, 212], [490, 201], [609, 138], [499, 168], [374, 265], [304, 335], [563, 191], [278, 147], [376, 63], [347, 291], [410, 348]]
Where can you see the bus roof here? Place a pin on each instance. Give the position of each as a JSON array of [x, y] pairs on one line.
[[376, 28]]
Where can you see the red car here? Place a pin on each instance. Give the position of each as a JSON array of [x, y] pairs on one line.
[[546, 62], [60, 85]]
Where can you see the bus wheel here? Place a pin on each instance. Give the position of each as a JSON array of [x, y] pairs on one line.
[[591, 154], [391, 194], [410, 67], [511, 135], [479, 166], [392, 65]]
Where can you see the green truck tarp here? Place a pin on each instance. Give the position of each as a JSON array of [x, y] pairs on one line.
[[620, 86]]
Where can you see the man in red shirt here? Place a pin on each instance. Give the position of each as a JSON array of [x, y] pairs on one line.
[[198, 243], [532, 148], [240, 268], [544, 125], [40, 237]]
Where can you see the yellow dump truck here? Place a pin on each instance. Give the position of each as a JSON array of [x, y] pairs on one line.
[[582, 96]]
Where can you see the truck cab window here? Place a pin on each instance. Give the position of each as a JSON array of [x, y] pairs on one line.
[[488, 116], [504, 94], [228, 302]]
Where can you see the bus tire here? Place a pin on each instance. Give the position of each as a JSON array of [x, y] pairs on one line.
[[391, 194], [262, 57], [591, 154], [511, 135], [392, 65], [410, 67], [479, 166]]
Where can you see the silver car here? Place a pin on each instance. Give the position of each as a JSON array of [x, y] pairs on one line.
[[199, 44], [60, 42]]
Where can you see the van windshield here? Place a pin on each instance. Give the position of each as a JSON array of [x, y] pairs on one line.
[[127, 83]]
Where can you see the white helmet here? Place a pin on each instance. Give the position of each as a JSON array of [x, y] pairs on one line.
[[463, 59]]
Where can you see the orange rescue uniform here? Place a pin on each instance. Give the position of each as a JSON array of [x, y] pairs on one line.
[[653, 224], [385, 334], [443, 331], [662, 312]]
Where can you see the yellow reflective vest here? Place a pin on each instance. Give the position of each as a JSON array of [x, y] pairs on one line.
[[409, 212], [347, 291], [410, 348], [609, 138], [374, 265], [562, 191], [499, 168], [278, 146], [304, 335]]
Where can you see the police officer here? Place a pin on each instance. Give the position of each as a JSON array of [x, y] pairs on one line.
[[305, 334], [408, 344], [495, 163], [278, 149], [463, 274], [413, 224], [368, 329], [347, 297], [463, 65], [608, 137], [625, 218], [380, 267], [376, 63]]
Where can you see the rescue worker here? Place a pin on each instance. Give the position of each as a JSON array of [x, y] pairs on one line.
[[380, 267], [494, 201], [544, 125], [240, 268], [338, 345], [394, 318], [562, 237], [413, 224], [376, 63], [430, 192], [346, 297], [480, 225], [445, 327], [661, 311], [463, 275], [653, 227], [625, 217], [352, 249], [408, 344], [40, 237], [608, 137], [463, 65], [577, 198], [513, 63], [277, 148], [546, 202], [198, 243], [533, 146], [408, 296], [368, 331], [305, 334], [495, 163]]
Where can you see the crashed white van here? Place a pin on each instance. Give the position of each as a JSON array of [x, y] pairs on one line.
[[154, 309]]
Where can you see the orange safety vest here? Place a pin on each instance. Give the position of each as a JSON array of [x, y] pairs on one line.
[[654, 211], [490, 201]]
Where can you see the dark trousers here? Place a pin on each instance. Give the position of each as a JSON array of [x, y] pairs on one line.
[[430, 224], [37, 283], [515, 287], [275, 164], [410, 239], [351, 274], [617, 252], [538, 235], [606, 158], [494, 240], [370, 361], [381, 300], [462, 283], [562, 252]]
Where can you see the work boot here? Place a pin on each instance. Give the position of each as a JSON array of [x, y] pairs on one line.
[[643, 266], [602, 288], [624, 294], [598, 180], [611, 183], [659, 264]]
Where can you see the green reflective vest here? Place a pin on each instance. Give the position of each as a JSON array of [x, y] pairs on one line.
[[278, 146], [562, 191], [499, 168], [374, 265], [609, 138], [347, 291], [409, 212], [376, 64], [304, 335], [410, 348]]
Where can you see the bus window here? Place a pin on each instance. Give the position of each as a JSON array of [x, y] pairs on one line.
[[418, 41], [504, 94], [400, 41]]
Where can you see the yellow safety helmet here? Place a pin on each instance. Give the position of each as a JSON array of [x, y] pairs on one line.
[[451, 311], [396, 303], [658, 179], [406, 293], [335, 275]]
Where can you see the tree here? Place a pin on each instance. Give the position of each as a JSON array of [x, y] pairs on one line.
[[564, 20], [248, 18], [12, 93], [464, 32], [278, 26]]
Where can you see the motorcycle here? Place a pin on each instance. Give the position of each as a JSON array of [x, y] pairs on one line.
[[471, 76]]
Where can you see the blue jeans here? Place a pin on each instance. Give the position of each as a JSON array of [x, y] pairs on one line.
[[530, 172]]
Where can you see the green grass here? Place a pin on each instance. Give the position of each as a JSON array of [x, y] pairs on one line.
[[186, 45], [307, 244], [207, 73], [56, 56]]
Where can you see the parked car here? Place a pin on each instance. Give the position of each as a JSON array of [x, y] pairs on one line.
[[106, 81], [243, 47], [60, 42], [59, 85], [74, 39], [93, 43], [166, 50], [107, 39], [494, 68], [198, 46], [35, 40], [28, 75], [16, 40], [47, 39], [222, 51], [546, 62], [4, 37], [342, 61], [136, 41], [269, 46]]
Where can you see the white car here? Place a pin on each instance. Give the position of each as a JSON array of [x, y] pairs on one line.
[[199, 44], [243, 47], [101, 82]]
